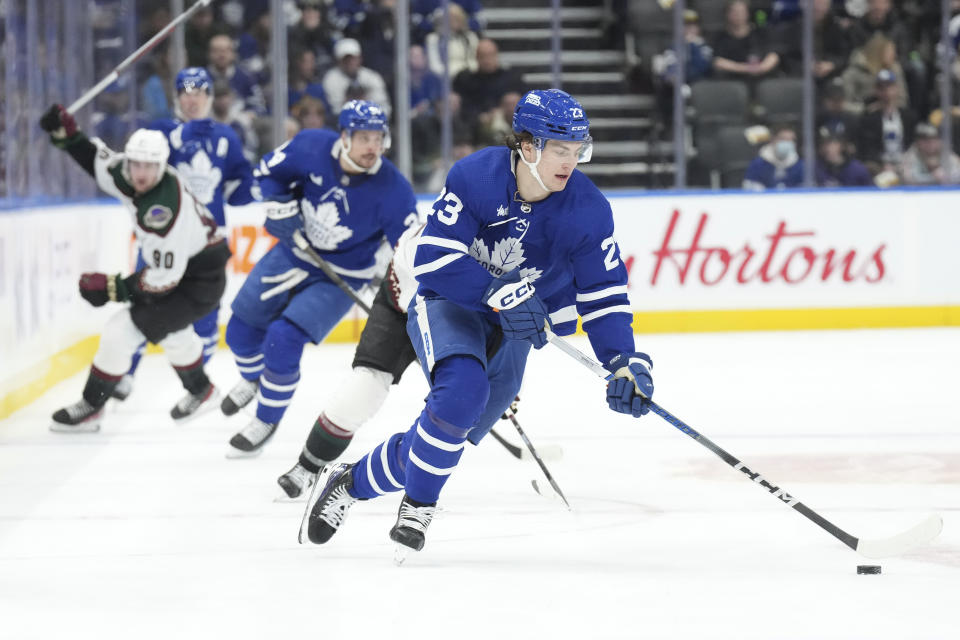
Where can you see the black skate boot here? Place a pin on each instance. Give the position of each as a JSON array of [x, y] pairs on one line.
[[80, 417], [123, 389], [328, 504], [412, 522], [239, 397], [193, 405], [296, 481], [249, 441]]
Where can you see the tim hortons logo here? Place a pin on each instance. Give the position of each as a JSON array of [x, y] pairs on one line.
[[785, 255]]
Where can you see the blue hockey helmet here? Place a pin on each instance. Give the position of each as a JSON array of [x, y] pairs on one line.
[[364, 115], [194, 79], [552, 114]]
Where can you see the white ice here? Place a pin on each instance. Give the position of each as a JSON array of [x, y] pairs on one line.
[[146, 530]]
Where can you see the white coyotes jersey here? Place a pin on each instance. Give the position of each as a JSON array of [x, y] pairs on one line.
[[404, 282], [171, 225]]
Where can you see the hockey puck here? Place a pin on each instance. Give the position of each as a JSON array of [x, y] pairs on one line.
[[867, 569]]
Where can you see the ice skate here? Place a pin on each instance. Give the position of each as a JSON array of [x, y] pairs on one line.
[[80, 417], [411, 527], [249, 441], [328, 504], [123, 389], [191, 406], [297, 481], [239, 397]]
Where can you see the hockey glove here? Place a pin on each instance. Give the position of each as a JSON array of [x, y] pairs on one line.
[[283, 219], [61, 126], [631, 385], [98, 288], [523, 315]]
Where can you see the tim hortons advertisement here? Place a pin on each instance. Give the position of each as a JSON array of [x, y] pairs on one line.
[[709, 252]]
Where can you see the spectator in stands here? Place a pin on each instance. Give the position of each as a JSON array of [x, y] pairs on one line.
[[778, 165], [481, 90], [253, 49], [922, 163], [833, 115], [376, 36], [699, 64], [881, 18], [351, 78], [461, 45], [885, 128], [835, 167], [831, 45], [423, 12], [859, 79], [223, 56], [312, 32], [494, 126], [303, 79], [310, 113], [742, 51], [197, 34], [291, 127], [153, 94], [229, 111]]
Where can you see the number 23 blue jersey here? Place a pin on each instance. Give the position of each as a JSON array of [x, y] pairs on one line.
[[564, 245]]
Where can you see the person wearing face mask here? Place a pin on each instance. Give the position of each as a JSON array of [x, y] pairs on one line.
[[777, 166], [518, 241]]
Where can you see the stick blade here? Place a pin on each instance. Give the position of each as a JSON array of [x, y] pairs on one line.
[[899, 544]]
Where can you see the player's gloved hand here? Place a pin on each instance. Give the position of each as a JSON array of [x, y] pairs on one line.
[[513, 408], [523, 315], [99, 288], [283, 219], [631, 386], [59, 124]]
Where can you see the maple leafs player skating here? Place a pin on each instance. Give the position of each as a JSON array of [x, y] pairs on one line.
[[343, 197], [518, 236], [208, 156], [181, 282]]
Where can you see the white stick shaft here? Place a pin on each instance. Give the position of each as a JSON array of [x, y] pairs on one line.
[[111, 77]]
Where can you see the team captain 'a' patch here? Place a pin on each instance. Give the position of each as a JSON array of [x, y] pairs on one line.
[[157, 217]]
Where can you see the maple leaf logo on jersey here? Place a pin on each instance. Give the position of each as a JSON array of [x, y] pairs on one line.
[[201, 176], [507, 256], [323, 225]]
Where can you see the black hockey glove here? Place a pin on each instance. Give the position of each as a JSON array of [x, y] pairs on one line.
[[98, 288], [61, 126], [631, 385]]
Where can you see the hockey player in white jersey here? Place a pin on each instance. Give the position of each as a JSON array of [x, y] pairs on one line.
[[182, 281]]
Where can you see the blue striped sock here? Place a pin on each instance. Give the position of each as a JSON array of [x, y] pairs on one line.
[[435, 450], [275, 393], [379, 472], [250, 366]]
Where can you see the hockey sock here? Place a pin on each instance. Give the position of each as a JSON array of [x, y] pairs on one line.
[[380, 471], [246, 343], [135, 362], [324, 444], [284, 343], [193, 377], [206, 327], [99, 386], [458, 395]]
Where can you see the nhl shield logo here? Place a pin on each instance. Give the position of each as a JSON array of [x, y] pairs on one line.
[[157, 217]]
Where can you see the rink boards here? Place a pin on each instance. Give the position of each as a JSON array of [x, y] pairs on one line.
[[697, 262]]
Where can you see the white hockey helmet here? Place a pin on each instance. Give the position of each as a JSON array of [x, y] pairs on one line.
[[147, 145]]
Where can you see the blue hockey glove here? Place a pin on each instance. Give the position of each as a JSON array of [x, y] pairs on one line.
[[283, 219], [631, 386], [523, 315]]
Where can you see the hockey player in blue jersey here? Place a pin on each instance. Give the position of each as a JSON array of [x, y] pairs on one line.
[[343, 197], [517, 238], [208, 155]]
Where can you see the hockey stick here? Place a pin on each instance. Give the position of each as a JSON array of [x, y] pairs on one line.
[[111, 77], [896, 545], [539, 461], [304, 246]]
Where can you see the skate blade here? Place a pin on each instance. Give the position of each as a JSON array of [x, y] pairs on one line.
[[56, 427], [400, 554]]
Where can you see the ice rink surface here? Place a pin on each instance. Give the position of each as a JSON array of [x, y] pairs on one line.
[[146, 530]]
